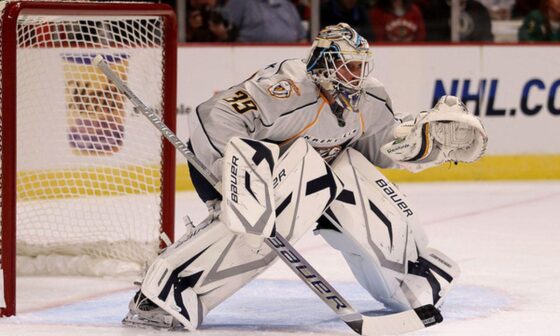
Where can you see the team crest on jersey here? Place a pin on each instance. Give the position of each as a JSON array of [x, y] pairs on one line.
[[283, 89], [330, 153]]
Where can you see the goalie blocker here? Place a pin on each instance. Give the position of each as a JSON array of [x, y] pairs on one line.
[[368, 220]]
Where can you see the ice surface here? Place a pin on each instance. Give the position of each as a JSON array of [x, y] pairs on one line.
[[503, 235]]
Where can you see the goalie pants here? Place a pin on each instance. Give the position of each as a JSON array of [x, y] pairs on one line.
[[203, 188]]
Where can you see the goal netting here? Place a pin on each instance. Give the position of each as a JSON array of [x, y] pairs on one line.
[[90, 175]]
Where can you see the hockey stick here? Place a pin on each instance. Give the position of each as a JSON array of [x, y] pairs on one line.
[[398, 323]]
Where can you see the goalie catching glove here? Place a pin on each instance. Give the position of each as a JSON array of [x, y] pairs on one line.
[[446, 133]]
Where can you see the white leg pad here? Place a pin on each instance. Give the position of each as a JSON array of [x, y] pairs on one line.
[[430, 278], [367, 270], [183, 262], [202, 270], [380, 237], [205, 267]]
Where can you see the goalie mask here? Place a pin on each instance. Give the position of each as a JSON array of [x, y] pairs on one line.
[[339, 62]]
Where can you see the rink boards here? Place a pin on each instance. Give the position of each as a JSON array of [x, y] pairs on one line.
[[511, 88]]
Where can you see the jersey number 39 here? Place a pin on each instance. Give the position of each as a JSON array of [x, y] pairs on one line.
[[241, 102]]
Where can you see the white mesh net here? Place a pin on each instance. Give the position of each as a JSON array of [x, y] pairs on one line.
[[89, 168]]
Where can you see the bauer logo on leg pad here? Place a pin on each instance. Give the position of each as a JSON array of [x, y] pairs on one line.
[[248, 206], [394, 196], [233, 180]]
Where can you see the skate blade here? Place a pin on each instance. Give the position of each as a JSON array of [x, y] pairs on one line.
[[136, 321]]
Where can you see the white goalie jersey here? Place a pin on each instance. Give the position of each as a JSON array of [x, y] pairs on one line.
[[269, 140], [279, 104]]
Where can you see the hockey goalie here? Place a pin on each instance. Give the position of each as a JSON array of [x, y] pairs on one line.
[[297, 147]]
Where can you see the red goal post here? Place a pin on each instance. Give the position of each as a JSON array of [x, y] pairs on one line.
[[83, 174]]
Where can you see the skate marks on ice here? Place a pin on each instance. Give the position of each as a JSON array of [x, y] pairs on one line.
[[107, 310], [267, 307], [472, 302], [288, 305]]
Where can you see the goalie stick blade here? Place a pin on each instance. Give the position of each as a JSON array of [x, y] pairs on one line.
[[399, 323], [429, 315]]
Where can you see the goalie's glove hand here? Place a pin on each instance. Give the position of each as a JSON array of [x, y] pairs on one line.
[[447, 132]]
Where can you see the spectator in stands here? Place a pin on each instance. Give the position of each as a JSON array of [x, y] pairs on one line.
[[475, 21], [397, 21], [436, 14], [205, 23], [499, 9], [522, 8], [264, 21], [542, 24], [350, 12], [303, 9]]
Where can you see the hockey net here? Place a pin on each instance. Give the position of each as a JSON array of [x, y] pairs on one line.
[[92, 184]]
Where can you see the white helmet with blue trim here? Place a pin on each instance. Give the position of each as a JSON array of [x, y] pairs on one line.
[[340, 60]]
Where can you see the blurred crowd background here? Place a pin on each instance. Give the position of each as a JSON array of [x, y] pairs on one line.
[[386, 21]]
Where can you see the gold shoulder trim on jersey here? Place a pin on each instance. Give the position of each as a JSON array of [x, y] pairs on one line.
[[308, 126]]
